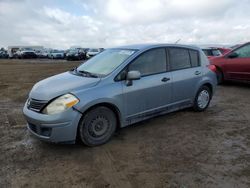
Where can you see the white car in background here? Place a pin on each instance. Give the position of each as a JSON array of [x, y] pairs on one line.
[[93, 51], [25, 53], [56, 54]]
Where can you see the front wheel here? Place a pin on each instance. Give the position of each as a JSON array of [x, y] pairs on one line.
[[97, 126], [202, 99]]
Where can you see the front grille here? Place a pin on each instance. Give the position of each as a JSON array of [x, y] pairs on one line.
[[36, 105]]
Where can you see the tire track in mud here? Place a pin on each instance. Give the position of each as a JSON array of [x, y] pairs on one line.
[[114, 176]]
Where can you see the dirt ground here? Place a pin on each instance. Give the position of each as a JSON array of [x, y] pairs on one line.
[[182, 149]]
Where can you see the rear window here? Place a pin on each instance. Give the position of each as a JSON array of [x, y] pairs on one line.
[[211, 52], [179, 58]]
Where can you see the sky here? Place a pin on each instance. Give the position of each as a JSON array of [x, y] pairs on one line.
[[108, 23]]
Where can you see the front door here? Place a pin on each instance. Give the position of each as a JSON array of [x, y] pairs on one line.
[[152, 93], [238, 68]]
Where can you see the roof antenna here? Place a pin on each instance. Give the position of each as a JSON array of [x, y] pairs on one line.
[[177, 41]]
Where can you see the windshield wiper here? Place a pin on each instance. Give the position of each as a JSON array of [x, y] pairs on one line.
[[89, 74]]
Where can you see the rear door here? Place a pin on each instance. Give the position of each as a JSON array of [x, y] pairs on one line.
[[152, 92], [238, 68], [186, 73]]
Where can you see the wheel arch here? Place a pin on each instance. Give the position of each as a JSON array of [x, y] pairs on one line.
[[111, 106], [210, 86]]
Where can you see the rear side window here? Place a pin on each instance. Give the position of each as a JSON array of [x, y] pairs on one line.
[[194, 57], [179, 58], [150, 62]]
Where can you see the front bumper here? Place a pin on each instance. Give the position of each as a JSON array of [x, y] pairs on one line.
[[53, 128]]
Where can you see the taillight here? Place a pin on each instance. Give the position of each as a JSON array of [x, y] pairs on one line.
[[212, 68]]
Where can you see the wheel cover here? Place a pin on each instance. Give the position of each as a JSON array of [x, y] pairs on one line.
[[203, 99], [98, 127]]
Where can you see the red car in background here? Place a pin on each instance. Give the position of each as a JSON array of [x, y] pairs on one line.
[[211, 52], [234, 65], [224, 50]]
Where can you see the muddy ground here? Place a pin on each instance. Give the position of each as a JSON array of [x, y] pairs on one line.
[[181, 149]]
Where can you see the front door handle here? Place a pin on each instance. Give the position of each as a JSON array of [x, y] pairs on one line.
[[165, 79], [197, 72]]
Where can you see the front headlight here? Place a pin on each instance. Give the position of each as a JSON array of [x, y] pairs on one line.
[[60, 104]]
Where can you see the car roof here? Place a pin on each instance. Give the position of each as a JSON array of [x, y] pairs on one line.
[[210, 48], [148, 46]]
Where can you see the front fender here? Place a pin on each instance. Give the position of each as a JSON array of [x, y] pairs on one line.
[[83, 107], [110, 94]]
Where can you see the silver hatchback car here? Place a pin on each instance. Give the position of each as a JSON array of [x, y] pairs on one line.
[[118, 87]]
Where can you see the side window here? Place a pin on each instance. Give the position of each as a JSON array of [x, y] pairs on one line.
[[150, 62], [207, 52], [243, 51], [179, 58], [194, 57], [216, 53]]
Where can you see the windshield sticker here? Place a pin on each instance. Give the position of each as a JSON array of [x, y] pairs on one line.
[[126, 52]]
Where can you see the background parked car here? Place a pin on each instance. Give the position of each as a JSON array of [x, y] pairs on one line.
[[76, 54], [211, 52], [3, 54], [224, 50], [56, 54], [25, 53], [234, 65], [42, 54], [93, 51]]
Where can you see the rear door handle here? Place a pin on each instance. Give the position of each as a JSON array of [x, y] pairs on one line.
[[165, 79], [197, 72]]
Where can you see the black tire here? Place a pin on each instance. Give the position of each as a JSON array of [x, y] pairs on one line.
[[220, 77], [97, 126], [197, 106]]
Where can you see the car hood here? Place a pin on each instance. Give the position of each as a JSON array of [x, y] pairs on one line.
[[60, 84]]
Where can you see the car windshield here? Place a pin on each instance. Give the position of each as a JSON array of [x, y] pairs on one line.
[[73, 51], [93, 50], [27, 49], [57, 51], [106, 61]]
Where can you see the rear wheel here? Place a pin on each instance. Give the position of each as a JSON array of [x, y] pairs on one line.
[[202, 99], [97, 126]]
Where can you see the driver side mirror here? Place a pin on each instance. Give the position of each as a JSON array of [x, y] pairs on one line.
[[233, 55], [132, 75]]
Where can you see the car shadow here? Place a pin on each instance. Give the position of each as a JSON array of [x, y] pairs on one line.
[[236, 84]]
